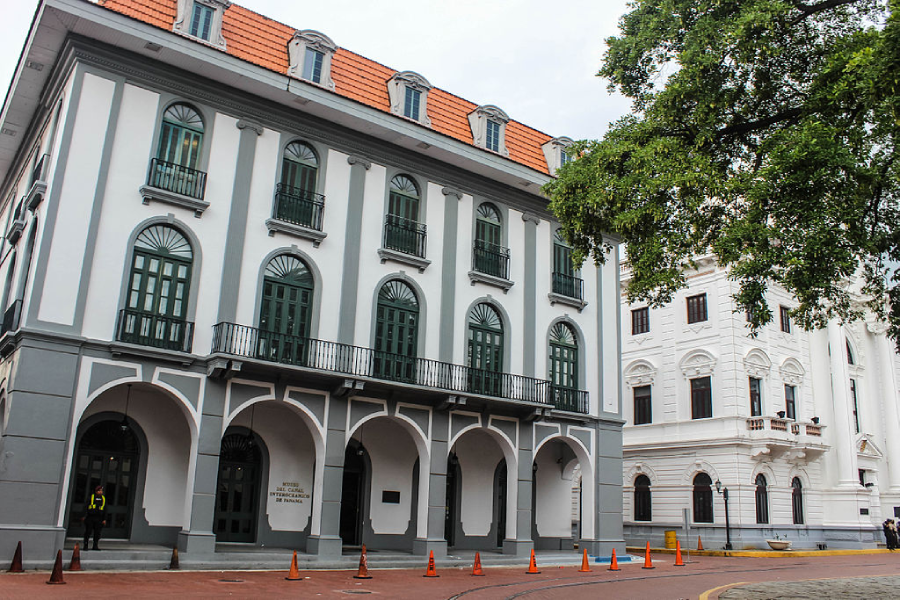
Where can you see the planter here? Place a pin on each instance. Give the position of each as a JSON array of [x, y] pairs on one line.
[[779, 544]]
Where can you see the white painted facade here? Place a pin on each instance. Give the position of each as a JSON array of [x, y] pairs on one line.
[[848, 479], [212, 418]]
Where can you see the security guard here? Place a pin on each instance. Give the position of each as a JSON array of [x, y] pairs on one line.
[[95, 518]]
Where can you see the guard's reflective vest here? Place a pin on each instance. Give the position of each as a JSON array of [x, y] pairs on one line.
[[97, 505]]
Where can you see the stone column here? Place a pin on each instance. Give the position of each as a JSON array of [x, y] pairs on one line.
[[522, 544], [327, 544], [350, 271], [842, 428], [437, 490], [889, 398]]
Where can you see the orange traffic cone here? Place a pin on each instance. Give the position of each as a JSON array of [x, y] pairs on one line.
[[431, 571], [363, 572], [648, 564], [613, 563], [56, 577], [173, 562], [16, 565], [476, 568], [699, 543], [294, 573], [75, 565], [532, 566], [585, 567], [678, 561]]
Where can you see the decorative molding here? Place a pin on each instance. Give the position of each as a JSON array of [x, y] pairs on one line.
[[15, 230], [35, 195], [313, 235], [791, 371], [640, 372], [252, 126], [449, 191], [553, 152], [183, 16], [531, 217], [313, 40], [697, 363], [149, 193], [353, 159], [478, 119], [397, 85], [386, 254], [757, 363], [500, 282], [567, 300]]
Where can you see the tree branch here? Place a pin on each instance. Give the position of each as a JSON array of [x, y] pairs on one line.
[[748, 126], [807, 10]]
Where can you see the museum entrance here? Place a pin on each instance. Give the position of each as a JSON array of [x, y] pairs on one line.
[[353, 494], [108, 454], [237, 489]]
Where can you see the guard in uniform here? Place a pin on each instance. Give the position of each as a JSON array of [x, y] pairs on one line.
[[95, 518]]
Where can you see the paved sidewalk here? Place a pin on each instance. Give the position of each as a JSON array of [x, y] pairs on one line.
[[851, 588]]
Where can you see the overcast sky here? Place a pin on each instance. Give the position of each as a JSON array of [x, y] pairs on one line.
[[535, 59]]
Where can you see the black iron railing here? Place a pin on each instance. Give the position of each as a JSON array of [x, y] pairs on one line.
[[569, 399], [299, 206], [11, 317], [250, 342], [177, 179], [145, 329], [404, 235], [38, 173], [490, 259], [568, 285]]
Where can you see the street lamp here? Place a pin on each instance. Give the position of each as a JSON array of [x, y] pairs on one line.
[[724, 492]]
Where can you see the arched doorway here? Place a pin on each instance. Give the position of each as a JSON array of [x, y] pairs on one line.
[[485, 350], [353, 494], [558, 465], [237, 488], [108, 454]]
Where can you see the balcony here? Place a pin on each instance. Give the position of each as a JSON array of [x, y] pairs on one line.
[[154, 331], [11, 318], [331, 357], [16, 226], [779, 436], [38, 187], [404, 242], [490, 265], [298, 212], [177, 185], [567, 289]]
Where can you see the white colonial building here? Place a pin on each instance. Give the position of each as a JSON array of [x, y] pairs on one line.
[[800, 427], [270, 292]]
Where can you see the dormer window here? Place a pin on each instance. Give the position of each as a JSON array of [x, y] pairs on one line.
[[556, 151], [310, 54], [489, 128], [202, 19], [408, 93]]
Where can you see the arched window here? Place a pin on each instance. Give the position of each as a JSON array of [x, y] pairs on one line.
[[402, 230], [485, 350], [489, 256], [181, 136], [565, 279], [396, 332], [284, 310], [155, 312], [642, 507], [797, 501], [299, 169], [175, 168], [762, 500], [850, 359], [564, 368], [703, 502]]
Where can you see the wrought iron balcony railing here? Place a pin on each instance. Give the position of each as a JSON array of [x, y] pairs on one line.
[[568, 285], [145, 329], [299, 206], [250, 342], [177, 179], [490, 259], [404, 235]]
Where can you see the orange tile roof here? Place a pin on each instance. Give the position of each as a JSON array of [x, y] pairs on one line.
[[261, 41]]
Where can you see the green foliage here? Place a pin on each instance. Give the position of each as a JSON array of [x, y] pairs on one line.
[[764, 132]]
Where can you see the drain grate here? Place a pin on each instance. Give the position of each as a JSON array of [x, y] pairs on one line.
[[231, 581], [355, 592]]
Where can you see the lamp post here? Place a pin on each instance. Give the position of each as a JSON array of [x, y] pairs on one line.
[[724, 492]]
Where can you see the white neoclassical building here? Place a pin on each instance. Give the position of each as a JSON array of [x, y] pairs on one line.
[[272, 293], [800, 427]]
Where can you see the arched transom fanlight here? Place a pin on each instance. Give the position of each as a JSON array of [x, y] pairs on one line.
[[301, 153], [237, 447], [487, 212], [562, 334], [164, 240], [182, 114], [290, 269], [404, 185], [484, 315], [397, 292]]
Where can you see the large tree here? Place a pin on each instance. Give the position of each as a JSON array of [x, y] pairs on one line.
[[764, 132]]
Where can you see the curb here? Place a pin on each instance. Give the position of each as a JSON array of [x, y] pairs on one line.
[[767, 553]]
